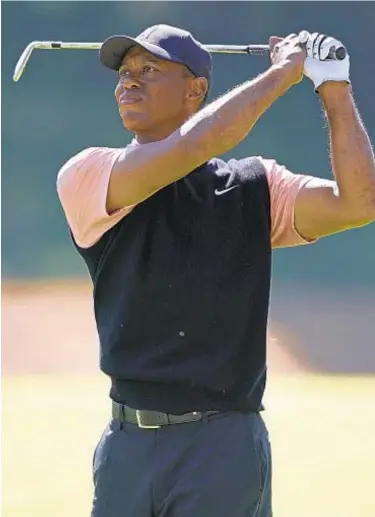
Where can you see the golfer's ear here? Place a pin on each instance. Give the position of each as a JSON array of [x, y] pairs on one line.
[[198, 89]]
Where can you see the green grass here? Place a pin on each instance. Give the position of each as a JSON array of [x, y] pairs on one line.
[[322, 433]]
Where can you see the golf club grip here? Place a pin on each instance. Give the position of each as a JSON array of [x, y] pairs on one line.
[[258, 49], [337, 54]]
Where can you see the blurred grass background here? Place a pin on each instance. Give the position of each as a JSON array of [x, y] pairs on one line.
[[322, 433]]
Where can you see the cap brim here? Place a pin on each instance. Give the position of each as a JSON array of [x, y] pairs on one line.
[[115, 48]]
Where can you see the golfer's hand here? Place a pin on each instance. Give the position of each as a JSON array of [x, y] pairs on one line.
[[289, 54], [317, 67]]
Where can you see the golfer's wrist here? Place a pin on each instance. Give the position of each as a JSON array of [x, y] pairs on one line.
[[284, 73], [334, 92]]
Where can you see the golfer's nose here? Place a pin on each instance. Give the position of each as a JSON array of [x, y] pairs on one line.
[[126, 83], [130, 80], [131, 85]]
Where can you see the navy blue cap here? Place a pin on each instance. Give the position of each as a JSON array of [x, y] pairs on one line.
[[163, 41]]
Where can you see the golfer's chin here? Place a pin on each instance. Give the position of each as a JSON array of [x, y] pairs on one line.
[[134, 121]]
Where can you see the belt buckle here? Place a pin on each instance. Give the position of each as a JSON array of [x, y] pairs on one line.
[[140, 424]]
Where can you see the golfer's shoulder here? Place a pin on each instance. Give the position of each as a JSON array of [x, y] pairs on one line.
[[85, 172], [275, 173], [88, 161], [279, 178]]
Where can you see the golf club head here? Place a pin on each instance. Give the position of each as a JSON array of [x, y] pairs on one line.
[[23, 60], [48, 45]]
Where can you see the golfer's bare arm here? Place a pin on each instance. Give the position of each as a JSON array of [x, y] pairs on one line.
[[140, 172], [324, 208], [99, 187]]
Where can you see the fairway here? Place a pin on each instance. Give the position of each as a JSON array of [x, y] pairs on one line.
[[322, 433]]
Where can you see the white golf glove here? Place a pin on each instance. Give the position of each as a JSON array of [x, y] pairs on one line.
[[317, 67]]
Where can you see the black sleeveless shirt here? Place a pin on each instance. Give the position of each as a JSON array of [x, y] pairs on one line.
[[181, 293]]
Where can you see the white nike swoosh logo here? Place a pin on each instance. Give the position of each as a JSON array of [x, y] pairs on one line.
[[224, 191]]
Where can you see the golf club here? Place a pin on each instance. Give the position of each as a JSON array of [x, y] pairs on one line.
[[338, 53]]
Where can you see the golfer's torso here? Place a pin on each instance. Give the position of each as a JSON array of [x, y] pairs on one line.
[[181, 289]]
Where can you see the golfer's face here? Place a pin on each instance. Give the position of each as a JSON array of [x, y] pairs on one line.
[[150, 91]]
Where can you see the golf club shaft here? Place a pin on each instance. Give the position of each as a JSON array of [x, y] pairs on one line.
[[227, 49], [339, 53], [56, 45]]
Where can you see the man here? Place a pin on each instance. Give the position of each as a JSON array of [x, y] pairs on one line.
[[178, 246]]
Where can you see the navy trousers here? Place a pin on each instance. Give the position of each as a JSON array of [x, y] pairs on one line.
[[220, 467]]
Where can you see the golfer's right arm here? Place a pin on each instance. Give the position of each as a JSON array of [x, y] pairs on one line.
[[141, 171]]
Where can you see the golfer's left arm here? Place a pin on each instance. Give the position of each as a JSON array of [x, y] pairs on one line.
[[349, 201]]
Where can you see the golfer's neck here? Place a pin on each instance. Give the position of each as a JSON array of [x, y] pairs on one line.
[[160, 132], [146, 137]]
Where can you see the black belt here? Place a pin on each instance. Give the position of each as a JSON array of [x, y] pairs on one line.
[[154, 419]]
